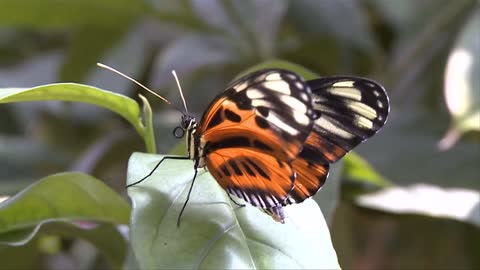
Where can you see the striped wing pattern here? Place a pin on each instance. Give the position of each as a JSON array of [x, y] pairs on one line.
[[270, 137], [349, 110], [253, 131]]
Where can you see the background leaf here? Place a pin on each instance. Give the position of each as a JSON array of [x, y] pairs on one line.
[[462, 83], [55, 198], [122, 105]]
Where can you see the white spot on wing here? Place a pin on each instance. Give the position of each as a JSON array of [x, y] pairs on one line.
[[254, 93], [379, 104], [304, 96], [326, 124], [323, 108], [254, 199], [240, 87], [274, 200], [362, 109], [369, 84], [278, 86], [273, 77], [351, 93], [299, 85], [319, 99], [290, 76], [261, 102], [301, 118], [260, 78], [343, 84], [272, 118], [294, 103], [246, 197], [269, 200], [363, 122], [261, 203]]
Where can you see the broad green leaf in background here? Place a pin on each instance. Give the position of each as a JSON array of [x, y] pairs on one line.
[[462, 83], [124, 106], [60, 197], [214, 233], [52, 14]]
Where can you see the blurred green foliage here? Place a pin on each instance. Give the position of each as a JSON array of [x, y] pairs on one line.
[[404, 45]]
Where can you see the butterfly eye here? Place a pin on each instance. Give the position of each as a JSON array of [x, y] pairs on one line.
[[178, 132]]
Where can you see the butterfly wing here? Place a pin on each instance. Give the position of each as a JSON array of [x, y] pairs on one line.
[[260, 179], [269, 111], [252, 131], [349, 110]]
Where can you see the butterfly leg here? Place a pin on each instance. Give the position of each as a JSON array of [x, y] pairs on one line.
[[235, 202], [188, 197], [154, 168]]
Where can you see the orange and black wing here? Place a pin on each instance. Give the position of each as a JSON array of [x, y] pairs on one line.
[[349, 110], [268, 111], [252, 132], [258, 178]]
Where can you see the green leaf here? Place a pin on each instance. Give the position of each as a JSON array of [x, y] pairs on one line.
[[462, 82], [18, 237], [213, 232], [149, 137], [53, 14], [60, 197], [27, 256], [122, 105], [359, 170]]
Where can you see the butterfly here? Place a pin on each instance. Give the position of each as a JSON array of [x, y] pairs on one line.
[[271, 136]]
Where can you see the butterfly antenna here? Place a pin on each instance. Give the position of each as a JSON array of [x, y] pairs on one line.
[[137, 83], [180, 89]]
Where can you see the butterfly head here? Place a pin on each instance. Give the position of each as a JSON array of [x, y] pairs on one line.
[[188, 123]]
